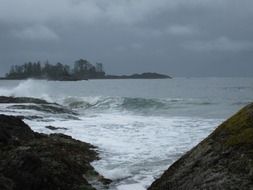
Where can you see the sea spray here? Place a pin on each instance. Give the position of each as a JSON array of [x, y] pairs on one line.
[[28, 88]]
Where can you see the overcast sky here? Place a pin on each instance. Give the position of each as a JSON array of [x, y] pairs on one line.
[[176, 37]]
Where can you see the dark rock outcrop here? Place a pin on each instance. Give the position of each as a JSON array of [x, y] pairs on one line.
[[48, 108], [55, 128], [224, 160], [30, 160], [28, 103], [10, 99]]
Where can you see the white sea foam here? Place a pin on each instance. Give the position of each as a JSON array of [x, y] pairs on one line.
[[131, 186], [134, 149]]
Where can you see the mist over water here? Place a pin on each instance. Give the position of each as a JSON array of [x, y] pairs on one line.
[[139, 126]]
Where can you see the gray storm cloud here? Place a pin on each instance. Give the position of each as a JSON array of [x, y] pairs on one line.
[[220, 44], [36, 32], [178, 37]]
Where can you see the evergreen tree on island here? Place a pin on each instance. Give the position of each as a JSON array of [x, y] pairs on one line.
[[82, 70]]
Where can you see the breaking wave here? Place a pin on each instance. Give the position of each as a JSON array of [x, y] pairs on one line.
[[45, 90], [143, 105], [27, 88]]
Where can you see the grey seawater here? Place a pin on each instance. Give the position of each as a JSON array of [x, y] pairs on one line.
[[139, 126]]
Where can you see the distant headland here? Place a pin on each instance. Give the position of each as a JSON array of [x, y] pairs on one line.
[[82, 70]]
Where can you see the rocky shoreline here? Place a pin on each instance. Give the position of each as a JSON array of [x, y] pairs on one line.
[[224, 160], [30, 160]]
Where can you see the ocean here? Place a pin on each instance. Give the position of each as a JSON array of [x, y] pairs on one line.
[[139, 126]]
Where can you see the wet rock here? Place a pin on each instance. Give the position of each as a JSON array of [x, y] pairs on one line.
[[10, 99], [13, 130], [28, 103], [5, 183], [30, 160], [224, 160], [48, 108], [55, 128]]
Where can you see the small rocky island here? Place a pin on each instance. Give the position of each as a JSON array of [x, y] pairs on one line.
[[224, 160], [82, 70]]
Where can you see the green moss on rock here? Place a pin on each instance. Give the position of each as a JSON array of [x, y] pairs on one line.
[[243, 137], [238, 130]]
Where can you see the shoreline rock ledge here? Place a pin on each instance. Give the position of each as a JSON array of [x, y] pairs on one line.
[[35, 161], [224, 160]]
